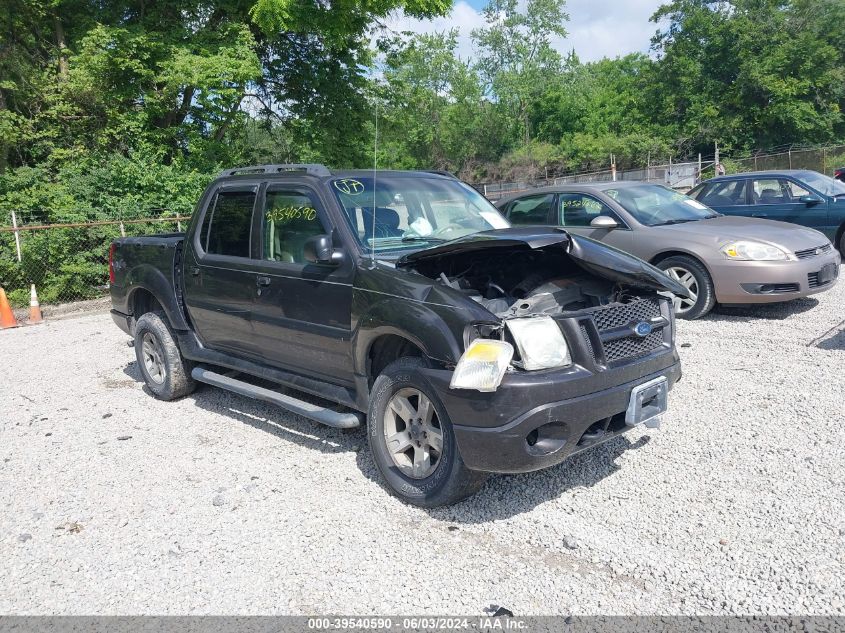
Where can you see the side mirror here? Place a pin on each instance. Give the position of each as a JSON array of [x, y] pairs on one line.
[[320, 250], [809, 200], [604, 222]]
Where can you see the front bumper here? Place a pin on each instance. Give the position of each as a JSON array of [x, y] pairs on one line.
[[741, 282], [494, 432]]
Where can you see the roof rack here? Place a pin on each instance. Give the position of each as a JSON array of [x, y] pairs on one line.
[[314, 169], [442, 172]]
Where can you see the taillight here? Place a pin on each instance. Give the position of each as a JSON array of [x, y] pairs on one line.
[[111, 263]]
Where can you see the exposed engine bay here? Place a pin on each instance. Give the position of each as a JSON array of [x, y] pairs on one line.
[[538, 282]]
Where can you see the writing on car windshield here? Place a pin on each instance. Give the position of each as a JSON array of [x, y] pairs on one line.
[[655, 205], [392, 212]]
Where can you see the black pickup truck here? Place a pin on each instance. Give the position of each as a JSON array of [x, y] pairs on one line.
[[406, 298]]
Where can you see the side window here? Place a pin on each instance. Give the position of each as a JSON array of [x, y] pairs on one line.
[[577, 209], [729, 193], [531, 210], [796, 190], [228, 228], [768, 191], [290, 218]]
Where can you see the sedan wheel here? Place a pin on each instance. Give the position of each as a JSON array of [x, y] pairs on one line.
[[412, 433], [688, 281]]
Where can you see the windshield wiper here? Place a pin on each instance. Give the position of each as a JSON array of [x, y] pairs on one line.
[[668, 222], [420, 238]]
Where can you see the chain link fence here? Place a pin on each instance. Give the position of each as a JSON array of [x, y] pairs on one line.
[[685, 175], [66, 261]]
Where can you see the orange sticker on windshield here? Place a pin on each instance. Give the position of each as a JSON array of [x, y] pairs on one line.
[[349, 186]]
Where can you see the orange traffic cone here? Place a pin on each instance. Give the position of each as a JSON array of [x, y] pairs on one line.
[[34, 307], [7, 317]]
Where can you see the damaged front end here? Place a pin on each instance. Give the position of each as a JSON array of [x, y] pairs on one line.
[[555, 300]]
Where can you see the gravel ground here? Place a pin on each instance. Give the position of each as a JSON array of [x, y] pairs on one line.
[[115, 503]]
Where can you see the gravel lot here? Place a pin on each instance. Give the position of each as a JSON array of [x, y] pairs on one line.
[[112, 502]]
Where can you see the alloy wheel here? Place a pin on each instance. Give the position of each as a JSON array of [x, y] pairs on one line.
[[413, 433], [153, 358], [683, 276]]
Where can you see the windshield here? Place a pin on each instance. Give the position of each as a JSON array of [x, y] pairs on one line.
[[654, 205], [405, 212], [824, 184]]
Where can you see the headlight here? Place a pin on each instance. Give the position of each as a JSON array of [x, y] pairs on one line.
[[483, 365], [754, 251], [540, 342]]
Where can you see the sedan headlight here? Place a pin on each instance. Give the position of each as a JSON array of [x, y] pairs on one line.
[[540, 342], [483, 365], [746, 250]]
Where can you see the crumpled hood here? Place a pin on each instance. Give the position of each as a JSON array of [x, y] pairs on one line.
[[717, 232], [594, 257]]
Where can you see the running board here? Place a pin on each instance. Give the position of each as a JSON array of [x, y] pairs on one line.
[[329, 417]]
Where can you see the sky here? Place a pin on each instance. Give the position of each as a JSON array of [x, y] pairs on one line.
[[597, 28]]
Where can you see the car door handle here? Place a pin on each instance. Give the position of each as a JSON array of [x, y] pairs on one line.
[[195, 272], [759, 215], [263, 281]]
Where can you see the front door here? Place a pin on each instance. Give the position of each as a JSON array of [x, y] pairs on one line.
[[302, 314], [779, 199], [219, 275], [575, 212]]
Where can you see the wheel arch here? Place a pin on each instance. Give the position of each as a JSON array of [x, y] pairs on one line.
[[662, 255]]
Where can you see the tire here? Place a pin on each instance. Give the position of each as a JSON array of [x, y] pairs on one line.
[[842, 244], [166, 372], [442, 479], [691, 273]]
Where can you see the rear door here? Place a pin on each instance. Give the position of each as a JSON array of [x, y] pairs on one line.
[[726, 196], [575, 212], [779, 199], [302, 313], [219, 274]]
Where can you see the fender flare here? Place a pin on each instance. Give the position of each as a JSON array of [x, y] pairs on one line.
[[414, 321], [149, 278]]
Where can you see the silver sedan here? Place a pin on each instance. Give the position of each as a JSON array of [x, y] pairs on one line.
[[724, 259]]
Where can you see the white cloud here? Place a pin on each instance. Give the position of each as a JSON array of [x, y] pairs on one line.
[[597, 28]]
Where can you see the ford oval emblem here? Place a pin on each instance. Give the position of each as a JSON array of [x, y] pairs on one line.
[[642, 329]]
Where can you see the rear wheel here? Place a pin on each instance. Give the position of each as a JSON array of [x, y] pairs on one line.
[[166, 372], [412, 441], [842, 244], [695, 278]]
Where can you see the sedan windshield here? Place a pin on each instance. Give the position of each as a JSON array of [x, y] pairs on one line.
[[824, 184], [393, 212], [655, 205]]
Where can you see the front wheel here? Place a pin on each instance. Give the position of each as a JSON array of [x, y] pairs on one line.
[[412, 442], [692, 275]]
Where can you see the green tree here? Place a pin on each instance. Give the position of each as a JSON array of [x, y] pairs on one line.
[[516, 56]]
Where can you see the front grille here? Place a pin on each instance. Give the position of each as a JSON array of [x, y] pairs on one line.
[[775, 288], [632, 346], [625, 315], [620, 315], [585, 336], [813, 252], [813, 280]]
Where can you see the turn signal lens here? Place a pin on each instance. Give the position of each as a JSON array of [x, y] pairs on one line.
[[482, 366]]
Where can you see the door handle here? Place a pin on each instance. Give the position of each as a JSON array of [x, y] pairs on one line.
[[759, 215], [195, 271], [263, 281]]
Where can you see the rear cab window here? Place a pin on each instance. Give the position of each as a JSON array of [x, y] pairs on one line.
[[227, 225]]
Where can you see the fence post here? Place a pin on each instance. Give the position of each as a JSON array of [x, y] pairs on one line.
[[648, 168], [790, 158], [17, 235], [824, 160], [698, 180]]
